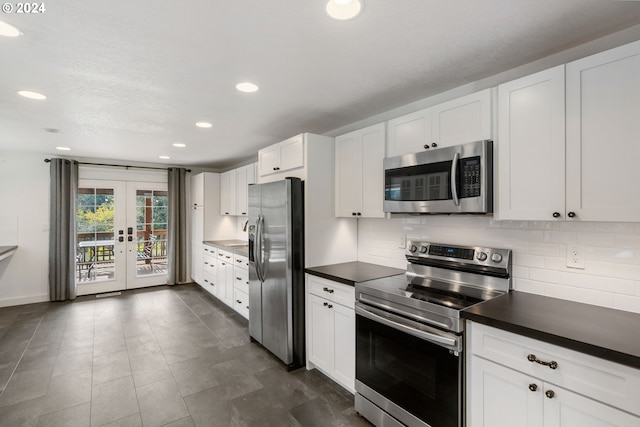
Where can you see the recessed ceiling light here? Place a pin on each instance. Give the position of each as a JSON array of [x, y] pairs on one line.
[[203, 124], [246, 87], [63, 148], [31, 95], [343, 9], [9, 30], [179, 145], [164, 157]]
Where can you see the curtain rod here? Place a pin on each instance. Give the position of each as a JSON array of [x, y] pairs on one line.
[[117, 166]]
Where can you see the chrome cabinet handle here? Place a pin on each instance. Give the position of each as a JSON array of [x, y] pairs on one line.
[[532, 358]]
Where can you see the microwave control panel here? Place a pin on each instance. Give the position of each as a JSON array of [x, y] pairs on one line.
[[470, 170]]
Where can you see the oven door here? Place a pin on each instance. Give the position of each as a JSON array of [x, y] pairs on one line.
[[408, 370]]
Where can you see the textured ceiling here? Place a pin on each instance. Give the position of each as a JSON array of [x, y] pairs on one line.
[[126, 79]]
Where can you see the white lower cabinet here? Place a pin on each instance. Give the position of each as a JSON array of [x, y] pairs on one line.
[[224, 268], [330, 330], [241, 285], [506, 389]]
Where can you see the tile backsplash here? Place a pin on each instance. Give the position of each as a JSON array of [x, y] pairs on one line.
[[611, 276]]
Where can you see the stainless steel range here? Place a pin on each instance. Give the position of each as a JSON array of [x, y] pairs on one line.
[[409, 342]]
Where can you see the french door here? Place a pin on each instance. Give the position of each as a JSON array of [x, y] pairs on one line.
[[121, 235]]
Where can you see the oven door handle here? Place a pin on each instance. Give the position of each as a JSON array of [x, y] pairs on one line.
[[450, 343]]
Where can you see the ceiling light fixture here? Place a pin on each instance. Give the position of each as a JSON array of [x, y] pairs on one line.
[[32, 95], [63, 148], [344, 9], [247, 87], [9, 30], [179, 145], [164, 157], [203, 124]]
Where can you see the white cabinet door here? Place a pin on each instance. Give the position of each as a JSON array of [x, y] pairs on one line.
[[372, 189], [344, 359], [462, 120], [269, 160], [225, 193], [563, 408], [409, 134], [321, 333], [197, 189], [531, 156], [603, 135], [246, 176], [291, 153], [348, 174], [359, 181], [502, 397]]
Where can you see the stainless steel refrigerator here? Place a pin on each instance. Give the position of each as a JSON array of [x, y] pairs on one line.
[[276, 269]]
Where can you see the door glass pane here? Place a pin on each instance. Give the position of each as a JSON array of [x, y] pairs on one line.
[[151, 230], [95, 235]]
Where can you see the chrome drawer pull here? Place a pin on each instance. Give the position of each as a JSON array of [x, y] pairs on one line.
[[327, 290], [532, 358]]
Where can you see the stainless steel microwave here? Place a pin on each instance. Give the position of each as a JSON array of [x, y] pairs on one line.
[[449, 180]]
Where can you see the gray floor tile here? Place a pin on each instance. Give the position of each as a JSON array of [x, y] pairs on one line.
[[77, 416], [131, 421], [318, 413], [112, 401], [285, 389], [258, 409], [149, 369], [25, 386], [193, 376], [184, 422], [209, 408], [75, 360], [142, 345], [161, 403], [68, 390], [24, 413], [39, 356], [110, 366]]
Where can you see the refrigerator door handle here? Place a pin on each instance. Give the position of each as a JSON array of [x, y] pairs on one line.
[[258, 248]]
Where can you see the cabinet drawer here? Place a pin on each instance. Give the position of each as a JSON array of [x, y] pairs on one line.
[[210, 250], [209, 281], [241, 279], [225, 255], [332, 291], [241, 261], [599, 379], [209, 264], [241, 303]]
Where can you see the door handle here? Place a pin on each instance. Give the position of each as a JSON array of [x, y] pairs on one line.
[[454, 180]]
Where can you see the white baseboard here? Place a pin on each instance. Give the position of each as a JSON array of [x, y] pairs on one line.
[[9, 302]]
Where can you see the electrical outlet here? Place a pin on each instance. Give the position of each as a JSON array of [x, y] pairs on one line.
[[575, 256], [402, 242]]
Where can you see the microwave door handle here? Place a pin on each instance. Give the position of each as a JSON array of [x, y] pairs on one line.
[[454, 179]]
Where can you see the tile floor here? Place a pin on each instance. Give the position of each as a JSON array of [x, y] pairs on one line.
[[165, 356]]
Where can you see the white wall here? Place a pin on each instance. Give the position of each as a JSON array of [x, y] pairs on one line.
[[24, 220], [611, 277]]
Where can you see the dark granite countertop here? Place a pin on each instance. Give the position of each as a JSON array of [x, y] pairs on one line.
[[351, 273], [239, 247], [598, 331]]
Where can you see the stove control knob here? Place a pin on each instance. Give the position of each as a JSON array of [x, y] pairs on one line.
[[413, 248], [423, 249], [496, 257], [481, 256]]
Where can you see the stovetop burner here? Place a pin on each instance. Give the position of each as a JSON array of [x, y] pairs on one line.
[[453, 300]]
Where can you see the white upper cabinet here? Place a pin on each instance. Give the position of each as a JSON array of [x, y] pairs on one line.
[[286, 155], [409, 134], [359, 173], [461, 120], [233, 190], [245, 175], [595, 179], [531, 135], [228, 193], [603, 135]]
